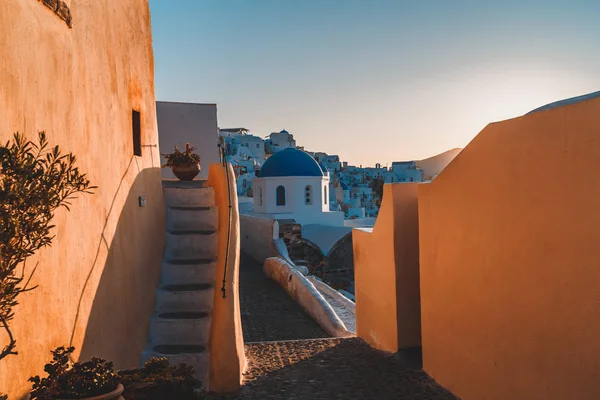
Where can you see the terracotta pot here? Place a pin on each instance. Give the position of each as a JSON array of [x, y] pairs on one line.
[[114, 395], [186, 172]]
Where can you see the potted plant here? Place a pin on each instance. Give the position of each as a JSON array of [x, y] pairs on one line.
[[185, 164], [94, 379]]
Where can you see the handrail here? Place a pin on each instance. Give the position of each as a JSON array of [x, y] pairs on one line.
[[223, 157]]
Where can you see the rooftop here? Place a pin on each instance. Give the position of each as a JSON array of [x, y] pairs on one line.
[[290, 162]]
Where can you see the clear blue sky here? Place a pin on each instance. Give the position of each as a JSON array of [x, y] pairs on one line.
[[374, 80]]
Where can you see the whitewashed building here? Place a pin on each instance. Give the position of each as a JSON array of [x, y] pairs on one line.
[[292, 185], [407, 171], [277, 141]]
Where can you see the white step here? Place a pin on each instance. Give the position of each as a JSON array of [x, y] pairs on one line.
[[195, 356], [185, 298], [192, 218], [183, 328], [188, 271], [188, 245], [193, 196]]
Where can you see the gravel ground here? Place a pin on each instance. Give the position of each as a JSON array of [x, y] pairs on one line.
[[268, 313], [330, 369], [290, 357]]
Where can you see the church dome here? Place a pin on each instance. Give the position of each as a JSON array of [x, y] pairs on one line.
[[290, 162]]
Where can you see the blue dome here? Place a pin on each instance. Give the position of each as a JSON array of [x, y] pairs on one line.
[[323, 168], [290, 162]]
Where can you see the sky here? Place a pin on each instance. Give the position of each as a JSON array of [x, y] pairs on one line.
[[374, 81]]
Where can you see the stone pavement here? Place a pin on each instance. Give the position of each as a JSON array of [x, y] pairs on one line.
[[313, 369], [268, 313]]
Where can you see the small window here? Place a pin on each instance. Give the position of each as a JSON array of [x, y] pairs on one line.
[[136, 128], [259, 196], [257, 145], [308, 195], [280, 196], [324, 194]]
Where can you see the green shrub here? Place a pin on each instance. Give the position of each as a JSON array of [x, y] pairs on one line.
[[35, 180]]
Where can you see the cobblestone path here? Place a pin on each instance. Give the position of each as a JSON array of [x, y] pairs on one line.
[[268, 313], [313, 369]]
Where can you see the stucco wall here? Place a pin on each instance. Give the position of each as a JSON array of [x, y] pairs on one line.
[[257, 236], [227, 358], [386, 272], [179, 123], [510, 249], [97, 282]]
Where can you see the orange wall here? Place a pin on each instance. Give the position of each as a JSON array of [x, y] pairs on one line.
[[386, 273], [227, 357], [510, 255], [98, 280]]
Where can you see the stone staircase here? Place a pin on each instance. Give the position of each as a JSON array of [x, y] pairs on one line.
[[180, 327]]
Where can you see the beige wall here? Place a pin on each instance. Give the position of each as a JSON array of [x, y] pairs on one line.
[[227, 357], [386, 273], [97, 281], [510, 255], [179, 123]]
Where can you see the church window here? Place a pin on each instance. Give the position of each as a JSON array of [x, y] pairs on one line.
[[259, 196], [324, 194], [308, 195], [280, 196]]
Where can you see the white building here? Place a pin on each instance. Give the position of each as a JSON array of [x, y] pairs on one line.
[[277, 141], [364, 193], [407, 171], [241, 145], [292, 185]]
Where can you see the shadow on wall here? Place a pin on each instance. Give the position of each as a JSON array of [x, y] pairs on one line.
[[117, 325], [118, 297]]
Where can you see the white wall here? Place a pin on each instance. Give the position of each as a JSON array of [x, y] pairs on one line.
[[295, 206], [179, 123], [252, 146], [294, 194]]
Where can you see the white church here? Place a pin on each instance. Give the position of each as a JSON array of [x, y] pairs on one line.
[[292, 185]]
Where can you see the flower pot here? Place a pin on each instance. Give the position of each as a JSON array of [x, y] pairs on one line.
[[114, 395], [186, 172]]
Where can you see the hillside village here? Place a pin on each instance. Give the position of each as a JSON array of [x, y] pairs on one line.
[[355, 190]]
